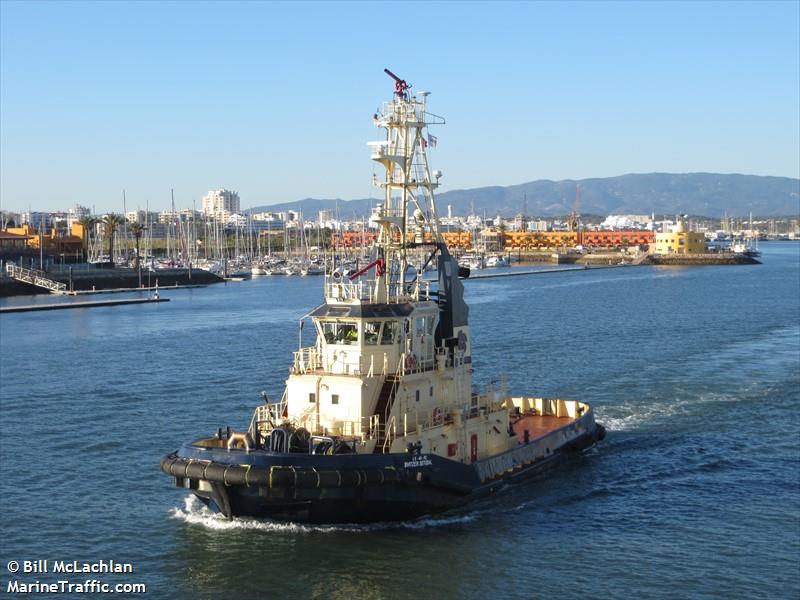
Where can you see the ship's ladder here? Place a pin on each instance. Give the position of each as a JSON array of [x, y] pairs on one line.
[[383, 409]]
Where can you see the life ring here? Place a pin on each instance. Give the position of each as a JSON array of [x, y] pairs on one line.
[[438, 415], [411, 362]]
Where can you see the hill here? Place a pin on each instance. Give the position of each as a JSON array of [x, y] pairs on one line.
[[707, 194]]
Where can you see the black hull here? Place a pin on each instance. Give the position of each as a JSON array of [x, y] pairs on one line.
[[353, 488]]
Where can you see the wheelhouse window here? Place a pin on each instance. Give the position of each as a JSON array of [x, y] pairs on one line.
[[424, 325], [391, 333], [372, 331], [340, 332]]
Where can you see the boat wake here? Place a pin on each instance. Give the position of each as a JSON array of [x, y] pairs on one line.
[[195, 512], [743, 372]]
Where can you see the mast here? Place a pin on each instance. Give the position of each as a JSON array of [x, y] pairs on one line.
[[408, 210]]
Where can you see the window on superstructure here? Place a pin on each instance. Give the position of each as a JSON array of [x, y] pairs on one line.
[[312, 397], [424, 325], [337, 332], [391, 333], [334, 398], [420, 325], [372, 330]]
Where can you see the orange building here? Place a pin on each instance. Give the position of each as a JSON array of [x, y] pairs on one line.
[[458, 239], [355, 239], [524, 240], [614, 239], [53, 244]]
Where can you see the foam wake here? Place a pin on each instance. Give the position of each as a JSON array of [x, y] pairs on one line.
[[195, 512]]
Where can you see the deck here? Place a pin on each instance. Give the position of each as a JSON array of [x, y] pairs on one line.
[[538, 425]]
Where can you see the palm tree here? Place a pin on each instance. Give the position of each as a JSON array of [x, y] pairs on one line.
[[501, 236], [111, 221], [87, 222], [137, 229]]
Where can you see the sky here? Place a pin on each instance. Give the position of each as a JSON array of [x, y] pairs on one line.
[[275, 100]]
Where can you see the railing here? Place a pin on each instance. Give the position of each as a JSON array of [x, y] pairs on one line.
[[398, 111], [381, 211], [390, 434], [366, 428], [266, 417], [34, 277], [411, 363], [311, 360], [340, 289], [307, 360]]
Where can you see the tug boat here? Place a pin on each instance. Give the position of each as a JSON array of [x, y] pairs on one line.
[[379, 420]]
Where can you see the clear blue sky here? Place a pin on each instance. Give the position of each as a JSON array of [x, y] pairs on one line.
[[275, 100]]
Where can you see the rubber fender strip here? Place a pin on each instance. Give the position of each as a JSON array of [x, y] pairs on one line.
[[317, 474], [395, 475], [196, 469], [246, 474], [359, 478], [167, 462]]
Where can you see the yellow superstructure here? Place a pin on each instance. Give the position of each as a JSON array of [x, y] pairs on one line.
[[680, 241]]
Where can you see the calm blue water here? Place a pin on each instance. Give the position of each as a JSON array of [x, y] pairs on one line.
[[694, 494]]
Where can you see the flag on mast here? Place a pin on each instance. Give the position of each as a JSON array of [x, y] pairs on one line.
[[432, 140]]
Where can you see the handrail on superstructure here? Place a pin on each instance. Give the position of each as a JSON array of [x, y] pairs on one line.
[[338, 289]]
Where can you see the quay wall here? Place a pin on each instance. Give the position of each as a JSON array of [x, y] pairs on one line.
[[719, 258], [110, 279]]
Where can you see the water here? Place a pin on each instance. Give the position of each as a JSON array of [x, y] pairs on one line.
[[695, 493]]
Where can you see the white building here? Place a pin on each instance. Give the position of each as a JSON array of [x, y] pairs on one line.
[[614, 222], [36, 219], [220, 204], [539, 225], [76, 213], [142, 216]]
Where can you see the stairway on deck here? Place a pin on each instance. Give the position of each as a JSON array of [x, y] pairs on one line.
[[385, 400]]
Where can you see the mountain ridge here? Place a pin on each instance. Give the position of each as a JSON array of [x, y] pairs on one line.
[[706, 194]]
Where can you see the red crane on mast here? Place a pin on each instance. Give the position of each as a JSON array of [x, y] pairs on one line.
[[400, 85]]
